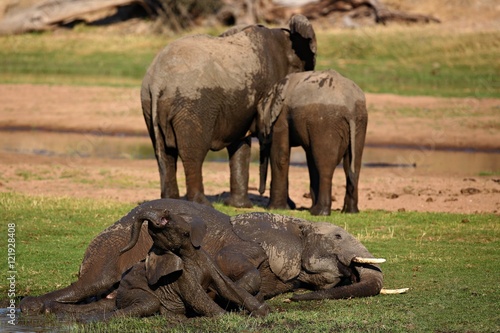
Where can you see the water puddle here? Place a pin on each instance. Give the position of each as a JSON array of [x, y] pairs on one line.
[[37, 323], [414, 160]]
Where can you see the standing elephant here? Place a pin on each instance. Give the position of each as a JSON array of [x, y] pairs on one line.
[[324, 113], [201, 92], [103, 266], [312, 255]]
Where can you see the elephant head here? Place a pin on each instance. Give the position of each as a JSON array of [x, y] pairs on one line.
[[319, 255], [171, 234]]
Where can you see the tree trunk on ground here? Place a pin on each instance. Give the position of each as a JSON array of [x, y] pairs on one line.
[[177, 15]]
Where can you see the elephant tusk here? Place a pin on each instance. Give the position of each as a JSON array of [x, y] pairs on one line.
[[360, 260], [393, 291]]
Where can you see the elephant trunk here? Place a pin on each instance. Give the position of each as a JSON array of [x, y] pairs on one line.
[[370, 284], [142, 215]]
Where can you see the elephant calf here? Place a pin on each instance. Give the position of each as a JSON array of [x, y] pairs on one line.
[[177, 274], [325, 113], [174, 280]]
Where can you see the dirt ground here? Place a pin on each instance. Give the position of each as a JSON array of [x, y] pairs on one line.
[[104, 110]]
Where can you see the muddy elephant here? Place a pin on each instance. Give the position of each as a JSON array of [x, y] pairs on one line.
[[177, 274], [174, 279], [103, 265], [317, 256], [200, 93], [324, 113], [265, 254]]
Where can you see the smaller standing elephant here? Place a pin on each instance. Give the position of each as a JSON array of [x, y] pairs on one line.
[[177, 274], [324, 113]]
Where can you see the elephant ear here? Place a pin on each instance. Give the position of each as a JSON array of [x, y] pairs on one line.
[[198, 231], [303, 40], [269, 108], [278, 235], [159, 265]]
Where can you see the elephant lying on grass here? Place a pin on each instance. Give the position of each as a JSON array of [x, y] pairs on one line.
[[103, 265], [173, 280], [265, 254], [313, 255], [324, 113]]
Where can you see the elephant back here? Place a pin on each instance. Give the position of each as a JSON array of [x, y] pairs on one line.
[[280, 236]]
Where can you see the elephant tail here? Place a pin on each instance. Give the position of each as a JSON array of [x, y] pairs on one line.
[[157, 137], [352, 145], [264, 164]]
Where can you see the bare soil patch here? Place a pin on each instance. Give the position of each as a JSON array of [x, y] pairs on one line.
[[432, 123]]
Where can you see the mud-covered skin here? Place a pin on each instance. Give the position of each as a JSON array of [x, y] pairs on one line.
[[324, 113], [200, 94], [312, 255], [177, 275], [103, 266]]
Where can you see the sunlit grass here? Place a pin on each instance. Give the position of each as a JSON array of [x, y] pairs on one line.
[[417, 60]]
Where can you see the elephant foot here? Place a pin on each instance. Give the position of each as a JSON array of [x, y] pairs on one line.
[[238, 202], [289, 204], [201, 199], [320, 210], [350, 209], [278, 206]]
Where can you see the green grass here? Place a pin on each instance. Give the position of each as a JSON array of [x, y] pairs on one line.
[[450, 262], [418, 60], [415, 60]]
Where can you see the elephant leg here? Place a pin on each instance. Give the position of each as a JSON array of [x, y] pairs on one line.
[[192, 159], [76, 292], [239, 164], [280, 164], [321, 174], [234, 263], [167, 164], [194, 181], [353, 158], [102, 305], [351, 187], [166, 157]]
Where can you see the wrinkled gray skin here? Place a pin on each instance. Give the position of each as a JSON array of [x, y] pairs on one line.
[[324, 113], [301, 254], [312, 255], [175, 278], [201, 92], [179, 273], [102, 266]]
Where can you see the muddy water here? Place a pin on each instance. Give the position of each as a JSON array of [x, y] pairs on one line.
[[37, 323], [415, 160]]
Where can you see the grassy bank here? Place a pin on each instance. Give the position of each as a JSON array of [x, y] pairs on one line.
[[449, 261], [418, 60]]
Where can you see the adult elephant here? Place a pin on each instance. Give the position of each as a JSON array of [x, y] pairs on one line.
[[318, 256], [201, 93], [324, 113]]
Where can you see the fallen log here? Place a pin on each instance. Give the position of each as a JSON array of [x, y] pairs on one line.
[[51, 13]]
